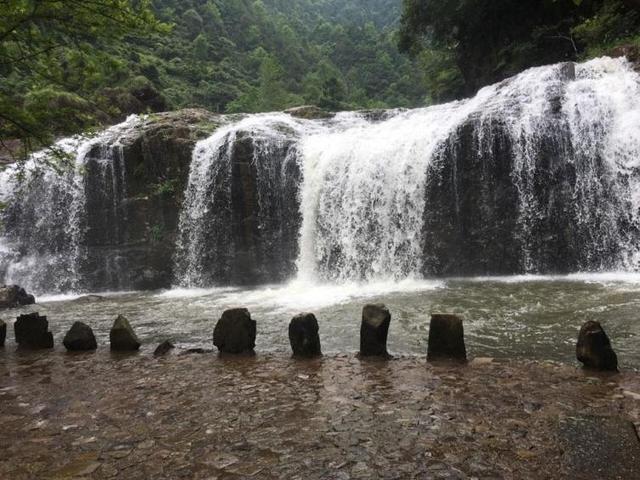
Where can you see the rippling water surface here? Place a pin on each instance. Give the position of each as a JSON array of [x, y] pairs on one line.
[[513, 317]]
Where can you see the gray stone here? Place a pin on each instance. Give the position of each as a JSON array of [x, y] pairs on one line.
[[12, 296], [164, 348], [600, 447], [309, 112], [3, 332], [122, 337], [32, 331], [374, 331], [304, 337], [446, 338], [235, 332], [594, 348], [80, 338]]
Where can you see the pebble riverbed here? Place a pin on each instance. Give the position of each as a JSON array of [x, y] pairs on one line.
[[102, 416]]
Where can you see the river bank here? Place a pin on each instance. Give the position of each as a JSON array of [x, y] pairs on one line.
[[205, 417]]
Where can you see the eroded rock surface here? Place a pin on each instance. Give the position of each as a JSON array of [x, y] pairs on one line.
[[122, 337], [32, 331], [80, 338], [594, 348], [270, 417]]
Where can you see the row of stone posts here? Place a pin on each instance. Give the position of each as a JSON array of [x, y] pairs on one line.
[[235, 333]]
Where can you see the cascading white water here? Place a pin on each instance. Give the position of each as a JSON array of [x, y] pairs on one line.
[[43, 247], [366, 181], [537, 174]]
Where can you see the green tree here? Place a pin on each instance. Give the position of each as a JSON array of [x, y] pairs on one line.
[[47, 42]]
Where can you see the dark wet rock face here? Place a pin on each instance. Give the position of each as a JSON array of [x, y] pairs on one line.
[[446, 339], [374, 330], [122, 337], [32, 331], [163, 349], [80, 338], [235, 332], [594, 348], [3, 333], [12, 296], [304, 337]]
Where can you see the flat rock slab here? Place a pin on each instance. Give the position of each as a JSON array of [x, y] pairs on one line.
[[265, 417], [606, 448]]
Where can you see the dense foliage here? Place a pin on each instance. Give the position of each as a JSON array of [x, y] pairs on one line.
[[466, 44], [69, 65]]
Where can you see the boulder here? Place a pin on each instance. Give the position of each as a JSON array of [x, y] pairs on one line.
[[12, 296], [80, 338], [303, 336], [309, 112], [594, 348], [446, 338], [122, 337], [235, 332], [32, 331], [374, 330], [3, 332], [164, 348]]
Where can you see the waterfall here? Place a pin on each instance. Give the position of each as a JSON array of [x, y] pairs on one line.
[[237, 223], [47, 203], [536, 174]]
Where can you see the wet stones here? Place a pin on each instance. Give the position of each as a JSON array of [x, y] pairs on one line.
[[304, 337], [3, 332], [446, 339], [374, 330], [80, 338], [235, 332], [32, 331], [12, 296], [164, 348], [594, 348], [122, 337]]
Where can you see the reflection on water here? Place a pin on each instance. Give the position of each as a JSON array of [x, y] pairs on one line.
[[530, 317]]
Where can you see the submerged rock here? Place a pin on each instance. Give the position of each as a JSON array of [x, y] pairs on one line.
[[164, 348], [304, 337], [374, 330], [594, 348], [12, 296], [80, 338], [122, 337], [235, 332], [3, 332], [32, 331], [446, 338], [89, 299]]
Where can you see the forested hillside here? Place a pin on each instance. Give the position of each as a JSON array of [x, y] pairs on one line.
[[223, 55], [67, 66], [463, 45]]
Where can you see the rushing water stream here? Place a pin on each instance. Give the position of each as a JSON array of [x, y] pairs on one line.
[[511, 317]]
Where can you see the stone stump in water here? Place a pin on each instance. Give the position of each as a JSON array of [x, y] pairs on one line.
[[3, 332], [594, 348], [122, 337], [80, 338], [235, 332], [303, 336], [374, 331], [12, 296], [446, 339], [32, 331]]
